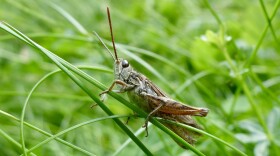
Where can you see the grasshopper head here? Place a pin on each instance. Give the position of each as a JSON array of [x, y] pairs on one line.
[[122, 69]]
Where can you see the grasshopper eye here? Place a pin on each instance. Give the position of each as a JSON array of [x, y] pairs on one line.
[[125, 63]]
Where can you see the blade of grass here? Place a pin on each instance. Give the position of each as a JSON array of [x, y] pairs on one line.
[[264, 87], [47, 95], [55, 95], [50, 35], [73, 128], [70, 18], [25, 105], [191, 80], [46, 133], [161, 42], [269, 21], [138, 132], [32, 12], [219, 21], [6, 136]]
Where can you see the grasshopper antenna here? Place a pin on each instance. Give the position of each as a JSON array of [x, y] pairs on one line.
[[99, 38], [112, 36]]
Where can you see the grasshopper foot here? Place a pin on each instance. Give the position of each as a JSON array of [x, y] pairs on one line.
[[102, 98], [103, 93], [146, 129]]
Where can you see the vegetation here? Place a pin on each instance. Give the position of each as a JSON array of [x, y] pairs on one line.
[[222, 55]]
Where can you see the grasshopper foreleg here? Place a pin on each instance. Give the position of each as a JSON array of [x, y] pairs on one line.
[[112, 86], [124, 87]]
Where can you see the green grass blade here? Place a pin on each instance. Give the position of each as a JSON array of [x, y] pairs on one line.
[[46, 134], [70, 18], [6, 136], [73, 128], [138, 132], [268, 21]]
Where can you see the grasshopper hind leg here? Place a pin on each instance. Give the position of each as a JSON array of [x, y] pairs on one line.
[[148, 118]]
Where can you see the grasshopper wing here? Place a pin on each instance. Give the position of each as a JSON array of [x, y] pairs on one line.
[[184, 133]]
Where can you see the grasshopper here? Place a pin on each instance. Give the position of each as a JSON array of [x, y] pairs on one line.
[[150, 98]]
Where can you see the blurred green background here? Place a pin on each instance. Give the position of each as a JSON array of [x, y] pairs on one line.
[[222, 55]]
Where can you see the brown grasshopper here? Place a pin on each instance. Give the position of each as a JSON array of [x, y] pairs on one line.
[[150, 98]]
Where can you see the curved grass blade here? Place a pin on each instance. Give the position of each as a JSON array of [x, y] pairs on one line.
[[73, 128], [70, 18], [5, 135], [47, 134]]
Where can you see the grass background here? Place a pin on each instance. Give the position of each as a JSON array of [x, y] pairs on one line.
[[220, 55]]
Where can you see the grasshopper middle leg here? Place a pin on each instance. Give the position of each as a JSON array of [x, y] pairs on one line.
[[148, 118]]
